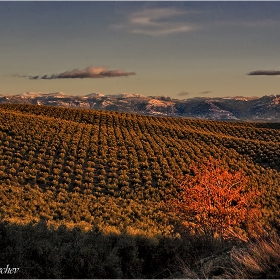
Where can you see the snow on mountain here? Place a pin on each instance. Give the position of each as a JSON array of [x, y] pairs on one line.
[[94, 94], [158, 103], [106, 103], [126, 95], [219, 108], [32, 94], [242, 98], [160, 107], [56, 94], [275, 100]]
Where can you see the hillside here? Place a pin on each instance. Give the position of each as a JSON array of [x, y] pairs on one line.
[[265, 108], [113, 170]]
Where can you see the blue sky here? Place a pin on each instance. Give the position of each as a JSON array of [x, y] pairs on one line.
[[180, 49]]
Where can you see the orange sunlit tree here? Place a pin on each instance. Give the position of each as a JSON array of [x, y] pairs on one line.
[[214, 201]]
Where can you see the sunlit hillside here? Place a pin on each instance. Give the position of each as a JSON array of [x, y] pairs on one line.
[[114, 170]]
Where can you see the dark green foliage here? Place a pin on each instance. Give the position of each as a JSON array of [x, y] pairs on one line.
[[41, 252]]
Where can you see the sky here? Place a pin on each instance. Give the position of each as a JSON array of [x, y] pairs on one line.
[[179, 49]]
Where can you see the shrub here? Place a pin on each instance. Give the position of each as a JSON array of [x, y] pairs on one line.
[[214, 201]]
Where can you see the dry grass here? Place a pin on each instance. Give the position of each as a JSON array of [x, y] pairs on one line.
[[259, 259], [213, 263], [255, 260]]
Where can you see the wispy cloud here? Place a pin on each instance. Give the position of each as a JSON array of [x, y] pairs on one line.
[[154, 17], [158, 32], [172, 20], [183, 93], [264, 73], [89, 72], [157, 22]]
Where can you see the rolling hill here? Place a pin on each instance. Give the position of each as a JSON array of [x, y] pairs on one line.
[[114, 170]]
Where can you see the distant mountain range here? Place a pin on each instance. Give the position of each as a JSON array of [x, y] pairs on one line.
[[266, 108]]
